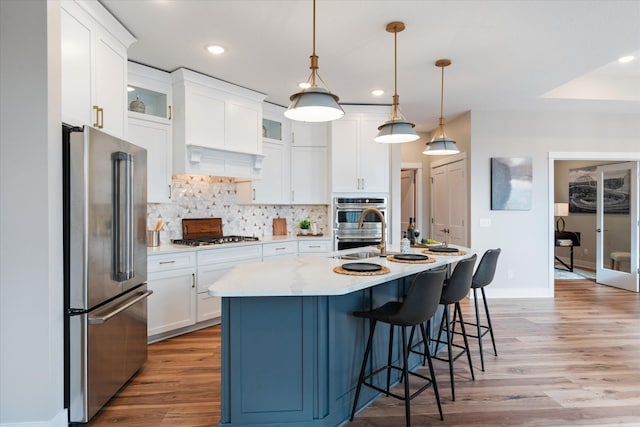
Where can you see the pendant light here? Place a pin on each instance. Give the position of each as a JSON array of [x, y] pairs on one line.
[[440, 144], [315, 103], [397, 129]]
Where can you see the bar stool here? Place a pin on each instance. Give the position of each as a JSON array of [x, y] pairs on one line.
[[420, 303], [455, 288], [482, 277]]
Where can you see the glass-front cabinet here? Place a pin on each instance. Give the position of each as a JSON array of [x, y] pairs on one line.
[[271, 129], [150, 126], [149, 93], [147, 101]]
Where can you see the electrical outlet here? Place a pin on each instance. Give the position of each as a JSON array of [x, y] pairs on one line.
[[510, 274], [585, 251]]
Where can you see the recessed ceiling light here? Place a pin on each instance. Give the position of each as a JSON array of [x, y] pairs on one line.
[[626, 59], [215, 49], [130, 89], [304, 85], [377, 92]]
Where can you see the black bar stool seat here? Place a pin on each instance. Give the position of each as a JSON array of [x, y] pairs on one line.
[[419, 304], [482, 277], [455, 289]]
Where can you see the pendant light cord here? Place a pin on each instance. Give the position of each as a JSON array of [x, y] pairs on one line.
[[442, 97]]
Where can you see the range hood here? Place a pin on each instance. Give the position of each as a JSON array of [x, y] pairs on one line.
[[218, 162]]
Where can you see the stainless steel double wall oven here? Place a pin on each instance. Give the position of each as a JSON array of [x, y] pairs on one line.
[[346, 216]]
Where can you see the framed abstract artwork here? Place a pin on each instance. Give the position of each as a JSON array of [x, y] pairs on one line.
[[511, 183]]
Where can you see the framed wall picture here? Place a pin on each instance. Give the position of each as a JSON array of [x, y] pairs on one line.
[[583, 191], [511, 183]]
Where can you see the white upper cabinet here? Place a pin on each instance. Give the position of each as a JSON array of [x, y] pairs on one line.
[[217, 127], [358, 163], [307, 134], [309, 163], [150, 114], [274, 185], [94, 67]]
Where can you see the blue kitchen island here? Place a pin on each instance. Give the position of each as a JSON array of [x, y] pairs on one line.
[[291, 349]]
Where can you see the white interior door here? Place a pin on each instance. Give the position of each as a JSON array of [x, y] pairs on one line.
[[617, 226], [449, 203], [408, 197]]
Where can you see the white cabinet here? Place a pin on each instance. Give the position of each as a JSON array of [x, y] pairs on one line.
[[314, 246], [212, 264], [358, 163], [309, 163], [156, 139], [277, 249], [217, 126], [309, 176], [172, 278], [307, 134], [152, 128], [94, 67], [274, 185]]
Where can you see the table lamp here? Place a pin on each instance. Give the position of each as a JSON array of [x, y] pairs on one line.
[[560, 210]]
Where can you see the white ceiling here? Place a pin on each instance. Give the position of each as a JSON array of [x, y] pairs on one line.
[[506, 54]]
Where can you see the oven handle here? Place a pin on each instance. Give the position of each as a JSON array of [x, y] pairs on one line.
[[358, 208], [102, 319]]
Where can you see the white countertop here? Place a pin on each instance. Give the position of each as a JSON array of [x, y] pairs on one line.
[[313, 275], [168, 248]]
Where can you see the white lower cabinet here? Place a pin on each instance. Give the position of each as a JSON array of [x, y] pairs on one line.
[[314, 246], [277, 249], [212, 264], [180, 281], [172, 278]]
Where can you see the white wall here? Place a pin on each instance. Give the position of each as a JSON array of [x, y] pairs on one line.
[[524, 236], [31, 314]]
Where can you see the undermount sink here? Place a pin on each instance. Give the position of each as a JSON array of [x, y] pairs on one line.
[[358, 255]]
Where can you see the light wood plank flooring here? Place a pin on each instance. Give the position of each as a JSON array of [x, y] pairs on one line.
[[573, 360]]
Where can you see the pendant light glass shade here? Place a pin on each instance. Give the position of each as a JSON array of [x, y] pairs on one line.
[[397, 129], [440, 144], [314, 104]]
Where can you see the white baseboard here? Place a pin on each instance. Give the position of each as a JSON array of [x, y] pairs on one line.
[[60, 420]]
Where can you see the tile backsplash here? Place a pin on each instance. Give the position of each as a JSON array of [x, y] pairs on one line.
[[199, 196]]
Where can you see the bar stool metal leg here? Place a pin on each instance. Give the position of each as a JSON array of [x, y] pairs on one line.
[[367, 350]]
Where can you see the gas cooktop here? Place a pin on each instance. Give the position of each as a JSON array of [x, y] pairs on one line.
[[203, 241]]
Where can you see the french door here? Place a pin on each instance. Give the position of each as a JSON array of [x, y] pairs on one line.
[[617, 225]]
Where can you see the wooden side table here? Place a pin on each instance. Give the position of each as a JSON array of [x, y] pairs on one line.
[[574, 236]]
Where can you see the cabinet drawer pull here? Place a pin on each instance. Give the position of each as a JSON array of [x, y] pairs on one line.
[[280, 249], [167, 262], [314, 246]]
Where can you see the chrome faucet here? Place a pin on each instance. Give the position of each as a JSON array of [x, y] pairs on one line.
[[383, 243]]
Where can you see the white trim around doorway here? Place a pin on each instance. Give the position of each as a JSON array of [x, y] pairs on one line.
[[564, 155]]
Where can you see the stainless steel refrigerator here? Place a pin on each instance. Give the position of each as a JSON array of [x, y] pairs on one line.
[[105, 266]]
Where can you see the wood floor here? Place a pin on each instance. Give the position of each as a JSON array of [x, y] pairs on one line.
[[573, 360]]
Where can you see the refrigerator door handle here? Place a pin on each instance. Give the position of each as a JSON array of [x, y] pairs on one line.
[[122, 216], [102, 319]]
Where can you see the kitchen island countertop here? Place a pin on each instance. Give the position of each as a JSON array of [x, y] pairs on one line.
[[314, 275]]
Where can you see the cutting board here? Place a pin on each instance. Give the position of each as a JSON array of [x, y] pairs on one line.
[[199, 228], [279, 227]]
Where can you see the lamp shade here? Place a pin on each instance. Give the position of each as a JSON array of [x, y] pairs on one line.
[[396, 131], [314, 104], [441, 146], [561, 209]]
